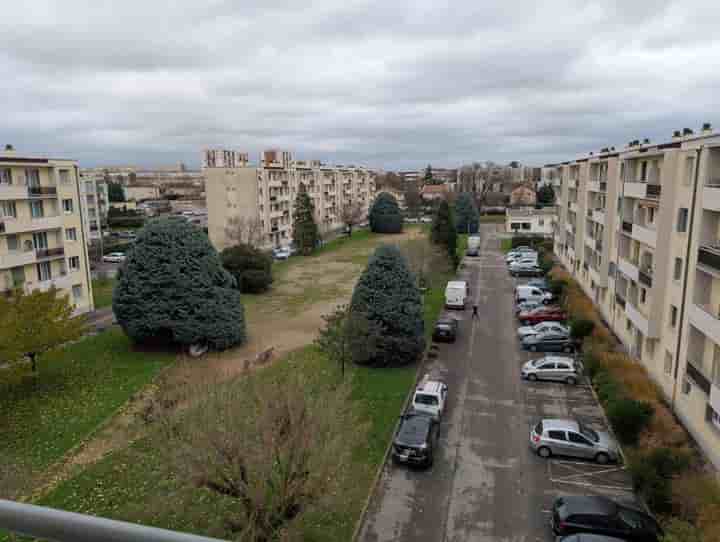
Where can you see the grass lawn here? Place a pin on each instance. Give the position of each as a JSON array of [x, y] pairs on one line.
[[132, 484], [102, 292], [76, 388], [492, 219], [506, 245]]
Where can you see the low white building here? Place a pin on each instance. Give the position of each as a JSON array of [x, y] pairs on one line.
[[529, 220]]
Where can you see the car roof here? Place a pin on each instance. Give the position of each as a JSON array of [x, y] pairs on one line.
[[564, 359], [457, 284], [446, 320], [590, 537], [590, 505], [430, 386], [561, 424]]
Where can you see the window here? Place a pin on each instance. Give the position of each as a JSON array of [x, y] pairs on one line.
[[5, 175], [68, 205], [77, 291], [563, 366], [651, 215], [32, 177], [64, 176], [44, 271], [682, 220], [628, 324], [71, 234], [89, 187], [689, 168], [526, 225], [541, 222], [673, 315], [578, 439], [677, 271], [36, 209], [643, 295], [668, 363], [557, 435], [643, 171], [12, 242], [40, 241], [18, 276], [74, 263], [8, 209]]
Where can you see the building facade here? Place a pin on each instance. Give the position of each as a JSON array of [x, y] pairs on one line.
[[43, 231], [523, 195], [529, 220], [639, 229], [93, 195], [265, 195]]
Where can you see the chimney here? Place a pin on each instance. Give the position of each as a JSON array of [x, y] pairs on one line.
[[677, 134], [706, 128], [612, 148], [9, 150], [687, 132], [646, 141]]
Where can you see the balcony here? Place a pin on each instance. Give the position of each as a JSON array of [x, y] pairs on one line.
[[41, 191], [644, 235], [49, 253], [715, 398], [645, 277], [697, 376], [572, 183], [620, 300], [573, 207], [629, 269], [17, 258], [63, 282], [642, 190], [639, 320], [36, 224], [710, 196], [709, 256], [13, 191], [627, 227], [598, 245], [598, 215], [706, 320]]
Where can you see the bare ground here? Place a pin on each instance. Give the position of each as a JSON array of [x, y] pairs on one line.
[[285, 319]]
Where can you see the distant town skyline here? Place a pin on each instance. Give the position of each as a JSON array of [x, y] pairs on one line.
[[391, 86]]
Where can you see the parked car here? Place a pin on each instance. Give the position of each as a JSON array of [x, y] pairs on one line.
[[114, 257], [526, 331], [549, 341], [571, 438], [556, 368], [515, 256], [457, 293], [445, 330], [527, 306], [526, 270], [542, 314], [430, 397], [602, 516], [426, 219], [281, 253], [416, 438], [526, 292], [539, 283]]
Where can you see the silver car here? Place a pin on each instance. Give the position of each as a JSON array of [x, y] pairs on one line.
[[572, 438], [558, 368], [542, 327]]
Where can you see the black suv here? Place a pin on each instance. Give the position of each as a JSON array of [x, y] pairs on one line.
[[445, 330], [600, 515], [415, 439]]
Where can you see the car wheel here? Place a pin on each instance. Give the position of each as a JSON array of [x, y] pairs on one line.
[[571, 380], [532, 377], [533, 348], [526, 322], [567, 349], [602, 458], [431, 459], [544, 452]]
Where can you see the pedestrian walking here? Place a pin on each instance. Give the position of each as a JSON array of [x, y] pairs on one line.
[[475, 311]]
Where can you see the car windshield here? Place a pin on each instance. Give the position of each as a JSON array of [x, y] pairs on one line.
[[425, 399], [589, 433], [444, 327]]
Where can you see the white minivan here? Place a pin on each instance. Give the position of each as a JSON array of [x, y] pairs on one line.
[[531, 293], [457, 293]]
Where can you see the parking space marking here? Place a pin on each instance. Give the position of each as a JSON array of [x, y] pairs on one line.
[[589, 475]]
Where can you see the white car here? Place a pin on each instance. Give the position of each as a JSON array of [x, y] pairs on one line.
[[114, 257], [282, 253], [430, 397], [527, 331], [515, 256], [426, 219]]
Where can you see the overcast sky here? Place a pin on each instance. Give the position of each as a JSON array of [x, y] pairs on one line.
[[389, 84]]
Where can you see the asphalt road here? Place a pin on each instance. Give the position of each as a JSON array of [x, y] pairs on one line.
[[486, 484]]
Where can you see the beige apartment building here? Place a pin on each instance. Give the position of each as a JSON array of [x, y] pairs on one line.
[[639, 228], [266, 194], [43, 232]]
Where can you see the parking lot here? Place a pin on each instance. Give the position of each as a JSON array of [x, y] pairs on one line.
[[486, 483]]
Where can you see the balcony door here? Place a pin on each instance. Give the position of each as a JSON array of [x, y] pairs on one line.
[[32, 177], [40, 240], [44, 271]]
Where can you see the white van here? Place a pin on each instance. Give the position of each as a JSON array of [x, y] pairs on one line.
[[473, 246], [457, 293], [530, 293], [430, 397]]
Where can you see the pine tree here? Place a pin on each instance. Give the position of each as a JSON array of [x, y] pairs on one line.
[[428, 175], [305, 231], [384, 215], [466, 214], [388, 296], [443, 231], [173, 288]]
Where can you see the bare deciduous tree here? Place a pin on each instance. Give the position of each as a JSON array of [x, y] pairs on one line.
[[242, 229], [413, 199], [422, 258], [278, 445], [351, 215]]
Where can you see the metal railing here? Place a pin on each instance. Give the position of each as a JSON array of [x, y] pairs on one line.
[[709, 256], [645, 278], [653, 190], [50, 252], [620, 300], [627, 226], [60, 526], [39, 191]]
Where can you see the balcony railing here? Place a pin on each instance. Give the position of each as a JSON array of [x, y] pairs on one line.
[[645, 277], [603, 186], [709, 256], [653, 190], [50, 252], [696, 375], [2, 227], [41, 191], [620, 300], [627, 226]]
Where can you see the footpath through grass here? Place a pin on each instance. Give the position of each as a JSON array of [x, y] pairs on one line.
[[76, 388], [133, 484]]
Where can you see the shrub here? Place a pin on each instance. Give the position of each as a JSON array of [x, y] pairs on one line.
[[173, 288], [388, 295], [384, 215], [251, 267], [581, 328], [695, 495], [650, 484], [668, 462], [681, 531], [628, 418], [557, 286], [443, 231], [608, 389], [466, 214]]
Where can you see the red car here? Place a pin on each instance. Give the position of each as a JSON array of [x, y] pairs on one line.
[[542, 314]]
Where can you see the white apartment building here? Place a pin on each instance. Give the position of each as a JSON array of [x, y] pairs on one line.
[[639, 229], [93, 195], [266, 194], [43, 232], [529, 220]]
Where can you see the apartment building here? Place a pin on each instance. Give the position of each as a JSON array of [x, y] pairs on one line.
[[43, 232], [639, 228], [266, 194], [94, 198]]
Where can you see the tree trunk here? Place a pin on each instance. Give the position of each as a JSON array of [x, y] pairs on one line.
[[33, 362]]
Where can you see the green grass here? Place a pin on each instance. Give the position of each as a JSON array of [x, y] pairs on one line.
[[76, 388], [492, 219], [102, 292], [506, 245], [133, 484]]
